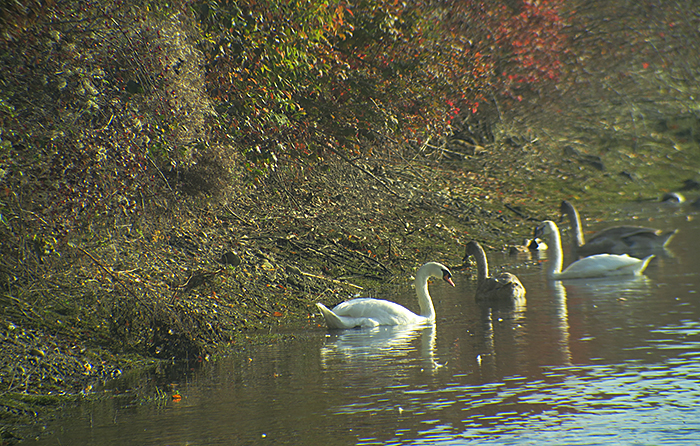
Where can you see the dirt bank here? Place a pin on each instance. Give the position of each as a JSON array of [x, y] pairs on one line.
[[202, 275]]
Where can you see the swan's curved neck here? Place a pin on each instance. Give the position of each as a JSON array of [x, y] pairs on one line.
[[426, 303], [556, 256], [482, 266], [575, 222]]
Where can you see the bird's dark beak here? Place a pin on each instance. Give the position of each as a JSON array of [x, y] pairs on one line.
[[538, 232]]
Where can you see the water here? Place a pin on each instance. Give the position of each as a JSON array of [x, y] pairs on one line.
[[584, 362]]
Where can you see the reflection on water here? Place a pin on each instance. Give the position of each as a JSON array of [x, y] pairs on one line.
[[562, 319], [374, 349], [605, 361], [606, 288], [605, 404]]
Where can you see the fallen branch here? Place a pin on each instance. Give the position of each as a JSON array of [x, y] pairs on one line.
[[367, 172], [298, 272], [115, 277], [519, 213]]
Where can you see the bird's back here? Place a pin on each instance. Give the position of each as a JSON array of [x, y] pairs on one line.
[[368, 312], [603, 265]]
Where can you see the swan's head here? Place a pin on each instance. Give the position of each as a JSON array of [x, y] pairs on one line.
[[472, 248], [434, 269], [546, 228]]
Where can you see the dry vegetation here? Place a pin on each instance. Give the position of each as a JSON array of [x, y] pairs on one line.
[[134, 226]]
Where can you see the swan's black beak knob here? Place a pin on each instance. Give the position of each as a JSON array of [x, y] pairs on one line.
[[447, 277]]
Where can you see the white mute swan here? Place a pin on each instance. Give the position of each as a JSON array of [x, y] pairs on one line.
[[615, 239], [503, 287], [600, 265], [367, 312]]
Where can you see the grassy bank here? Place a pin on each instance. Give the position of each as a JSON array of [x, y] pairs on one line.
[[161, 289], [167, 195]]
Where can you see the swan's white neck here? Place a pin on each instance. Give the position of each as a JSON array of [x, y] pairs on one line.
[[556, 255], [426, 303]]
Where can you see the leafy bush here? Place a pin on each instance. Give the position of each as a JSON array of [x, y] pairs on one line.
[[97, 99], [305, 78], [113, 113], [103, 122]]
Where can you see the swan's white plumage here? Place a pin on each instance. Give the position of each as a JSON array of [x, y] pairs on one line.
[[603, 265], [600, 265], [368, 312]]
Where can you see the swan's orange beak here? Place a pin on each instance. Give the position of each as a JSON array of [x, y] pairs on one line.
[[448, 279]]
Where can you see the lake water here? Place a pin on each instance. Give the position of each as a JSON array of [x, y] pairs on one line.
[[584, 362]]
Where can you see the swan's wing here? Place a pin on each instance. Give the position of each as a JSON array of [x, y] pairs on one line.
[[366, 306], [618, 232], [384, 312], [504, 285], [624, 239], [599, 245], [335, 321], [605, 265], [648, 239], [506, 280], [513, 284]]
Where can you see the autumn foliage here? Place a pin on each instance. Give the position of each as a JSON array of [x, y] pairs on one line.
[[302, 79], [115, 116], [122, 101]]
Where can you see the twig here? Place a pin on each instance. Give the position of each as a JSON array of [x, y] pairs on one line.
[[520, 214], [247, 222], [367, 172], [452, 152], [295, 270], [115, 277], [165, 180], [361, 255], [408, 163]]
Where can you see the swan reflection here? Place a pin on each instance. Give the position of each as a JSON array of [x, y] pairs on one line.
[[562, 320], [611, 287], [501, 336], [603, 292], [380, 347]]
